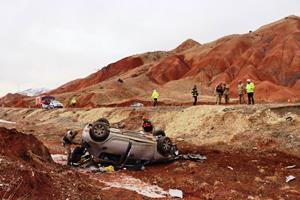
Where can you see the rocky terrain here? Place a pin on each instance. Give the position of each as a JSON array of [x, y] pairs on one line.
[[250, 151], [270, 56], [27, 171]]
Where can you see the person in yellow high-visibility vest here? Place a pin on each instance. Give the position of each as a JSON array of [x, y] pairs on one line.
[[250, 91], [73, 102], [154, 97]]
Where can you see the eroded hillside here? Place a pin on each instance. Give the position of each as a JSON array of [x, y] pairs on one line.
[[270, 56]]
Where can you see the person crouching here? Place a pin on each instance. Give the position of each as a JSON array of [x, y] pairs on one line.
[[67, 141]]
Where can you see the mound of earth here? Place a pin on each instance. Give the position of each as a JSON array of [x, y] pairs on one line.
[[27, 171], [20, 146], [271, 91], [15, 100], [270, 56]]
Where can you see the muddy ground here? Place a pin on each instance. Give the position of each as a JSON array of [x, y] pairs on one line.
[[248, 148]]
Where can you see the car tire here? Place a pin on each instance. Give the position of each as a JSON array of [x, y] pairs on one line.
[[99, 131], [104, 120], [159, 133], [164, 146]]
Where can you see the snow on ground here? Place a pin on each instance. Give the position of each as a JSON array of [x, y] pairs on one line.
[[119, 181], [59, 158], [6, 122], [137, 185]]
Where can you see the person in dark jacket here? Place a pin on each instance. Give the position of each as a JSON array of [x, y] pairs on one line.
[[219, 90], [147, 125], [67, 141], [195, 94]]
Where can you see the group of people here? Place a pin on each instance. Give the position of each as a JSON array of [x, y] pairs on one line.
[[221, 91], [249, 89]]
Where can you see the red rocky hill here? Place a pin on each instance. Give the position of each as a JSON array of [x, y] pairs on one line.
[[270, 56]]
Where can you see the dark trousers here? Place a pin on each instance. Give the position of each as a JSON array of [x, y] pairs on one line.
[[155, 102], [68, 151], [226, 98], [241, 97], [195, 100], [250, 98]]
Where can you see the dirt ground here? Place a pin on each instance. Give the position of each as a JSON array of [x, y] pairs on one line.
[[229, 175], [249, 150]]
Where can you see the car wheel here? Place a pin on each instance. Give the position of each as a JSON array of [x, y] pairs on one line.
[[159, 133], [99, 131], [104, 120], [164, 146]]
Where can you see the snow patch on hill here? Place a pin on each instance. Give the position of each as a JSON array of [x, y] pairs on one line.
[[33, 91]]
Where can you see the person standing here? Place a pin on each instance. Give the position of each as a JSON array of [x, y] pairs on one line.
[[226, 92], [67, 141], [219, 93], [250, 91], [241, 92], [73, 102], [147, 125], [154, 97], [195, 94]]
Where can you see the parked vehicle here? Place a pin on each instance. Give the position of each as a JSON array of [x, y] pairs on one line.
[[43, 100], [55, 104], [48, 102], [121, 147]]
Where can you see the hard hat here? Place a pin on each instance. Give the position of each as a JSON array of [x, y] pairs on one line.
[[248, 80]]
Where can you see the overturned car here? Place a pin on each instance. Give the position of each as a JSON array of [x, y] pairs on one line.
[[120, 147]]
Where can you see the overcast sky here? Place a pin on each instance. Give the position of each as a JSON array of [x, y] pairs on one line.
[[46, 43]]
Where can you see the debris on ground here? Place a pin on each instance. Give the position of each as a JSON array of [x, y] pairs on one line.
[[137, 105], [289, 178], [176, 193], [193, 157], [109, 168], [289, 119], [6, 122], [290, 166], [228, 109], [59, 158]]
